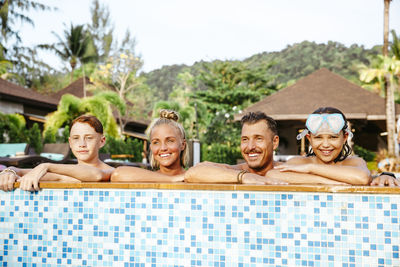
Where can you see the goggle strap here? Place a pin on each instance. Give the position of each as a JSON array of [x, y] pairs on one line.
[[350, 133], [302, 134]]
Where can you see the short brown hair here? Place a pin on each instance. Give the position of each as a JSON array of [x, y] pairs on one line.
[[254, 117], [91, 120]]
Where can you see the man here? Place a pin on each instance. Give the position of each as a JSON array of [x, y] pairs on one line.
[[259, 139], [86, 139]]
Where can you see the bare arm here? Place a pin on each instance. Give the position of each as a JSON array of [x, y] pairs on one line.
[[81, 172], [351, 171], [220, 165], [203, 173], [134, 174], [300, 178]]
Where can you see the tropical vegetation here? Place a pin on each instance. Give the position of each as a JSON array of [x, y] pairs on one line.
[[207, 95]]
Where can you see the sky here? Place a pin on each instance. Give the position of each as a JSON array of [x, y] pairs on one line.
[[185, 31]]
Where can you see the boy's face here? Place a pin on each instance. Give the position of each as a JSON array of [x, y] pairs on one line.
[[85, 142]]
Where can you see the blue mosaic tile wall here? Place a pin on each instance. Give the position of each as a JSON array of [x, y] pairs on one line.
[[102, 227]]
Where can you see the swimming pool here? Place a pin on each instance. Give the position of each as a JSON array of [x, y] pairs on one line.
[[105, 224]]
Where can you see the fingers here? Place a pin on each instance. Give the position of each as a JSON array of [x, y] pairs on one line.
[[7, 181], [29, 184], [374, 182], [391, 182], [397, 182]]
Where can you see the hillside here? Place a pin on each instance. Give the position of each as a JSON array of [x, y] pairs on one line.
[[289, 64]]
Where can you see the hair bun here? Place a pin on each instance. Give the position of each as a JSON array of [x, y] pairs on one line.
[[169, 114]]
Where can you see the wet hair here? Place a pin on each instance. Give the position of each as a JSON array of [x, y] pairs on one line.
[[91, 120], [254, 117], [169, 117], [346, 150]]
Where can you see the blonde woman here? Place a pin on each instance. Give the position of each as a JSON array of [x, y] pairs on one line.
[[168, 153]]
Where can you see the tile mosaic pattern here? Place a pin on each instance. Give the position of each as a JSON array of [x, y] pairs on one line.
[[102, 227]]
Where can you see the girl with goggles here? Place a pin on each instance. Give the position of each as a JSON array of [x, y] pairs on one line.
[[328, 161]]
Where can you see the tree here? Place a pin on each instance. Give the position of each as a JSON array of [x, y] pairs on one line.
[[385, 71], [23, 67], [386, 27], [395, 46], [233, 83], [120, 74], [71, 107], [75, 46], [389, 88], [11, 12], [101, 30]]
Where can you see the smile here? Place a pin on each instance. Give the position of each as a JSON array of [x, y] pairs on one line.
[[326, 152], [164, 155]]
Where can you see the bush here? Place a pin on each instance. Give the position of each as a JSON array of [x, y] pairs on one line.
[[128, 146], [366, 154], [34, 138], [221, 153]]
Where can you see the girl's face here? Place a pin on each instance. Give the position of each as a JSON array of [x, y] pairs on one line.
[[327, 146], [166, 146], [85, 142]]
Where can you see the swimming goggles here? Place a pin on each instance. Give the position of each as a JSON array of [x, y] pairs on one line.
[[324, 122]]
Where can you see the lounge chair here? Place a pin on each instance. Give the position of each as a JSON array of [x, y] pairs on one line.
[[12, 150], [53, 153]]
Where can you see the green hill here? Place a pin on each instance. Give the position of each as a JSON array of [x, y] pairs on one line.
[[290, 64]]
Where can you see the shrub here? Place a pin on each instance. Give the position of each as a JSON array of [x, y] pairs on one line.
[[221, 153], [128, 146], [34, 138], [366, 154]]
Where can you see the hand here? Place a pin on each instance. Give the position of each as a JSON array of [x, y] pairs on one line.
[[385, 180], [7, 180], [30, 181], [302, 168], [251, 178]]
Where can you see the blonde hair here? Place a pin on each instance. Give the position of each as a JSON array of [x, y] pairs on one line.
[[171, 118]]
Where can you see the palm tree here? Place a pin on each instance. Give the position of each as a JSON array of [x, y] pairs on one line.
[[384, 71], [98, 105], [395, 46], [389, 89], [74, 46], [13, 12], [386, 27]]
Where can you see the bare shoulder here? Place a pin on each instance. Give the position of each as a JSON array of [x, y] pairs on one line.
[[354, 161], [299, 160], [241, 166], [106, 167]]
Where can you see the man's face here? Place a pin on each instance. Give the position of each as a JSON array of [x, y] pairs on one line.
[[257, 145], [85, 142]]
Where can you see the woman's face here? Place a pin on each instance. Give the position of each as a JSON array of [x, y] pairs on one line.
[[327, 146], [166, 145], [85, 142]]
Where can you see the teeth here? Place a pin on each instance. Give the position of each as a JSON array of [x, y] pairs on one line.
[[253, 154], [164, 155]]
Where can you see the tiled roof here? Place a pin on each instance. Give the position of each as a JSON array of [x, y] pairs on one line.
[[75, 88], [12, 90], [322, 88]]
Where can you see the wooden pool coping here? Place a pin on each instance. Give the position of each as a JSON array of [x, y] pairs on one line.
[[223, 187]]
